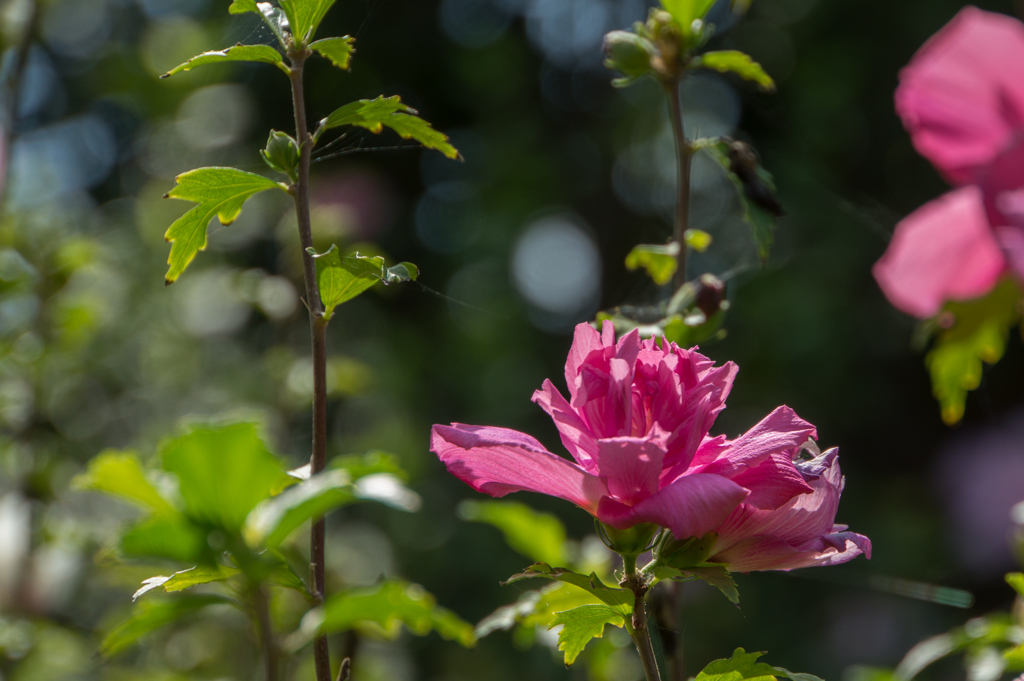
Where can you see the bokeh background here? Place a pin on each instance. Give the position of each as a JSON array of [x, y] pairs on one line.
[[563, 174]]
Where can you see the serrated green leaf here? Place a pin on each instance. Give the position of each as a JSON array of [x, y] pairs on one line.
[[374, 114], [761, 221], [742, 666], [621, 600], [715, 575], [385, 607], [401, 273], [120, 474], [581, 624], [167, 537], [149, 616], [274, 519], [508, 616], [1016, 580], [538, 536], [223, 472], [659, 261], [257, 53], [220, 193], [242, 6], [338, 51], [186, 579], [740, 63], [305, 16], [342, 279], [978, 334]]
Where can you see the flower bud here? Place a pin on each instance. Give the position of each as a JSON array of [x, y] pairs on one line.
[[629, 542], [282, 153], [686, 553], [710, 294], [628, 53]]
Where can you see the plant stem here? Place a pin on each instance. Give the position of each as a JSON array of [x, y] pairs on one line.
[[637, 628], [266, 635], [318, 331], [675, 608], [684, 151], [13, 98]]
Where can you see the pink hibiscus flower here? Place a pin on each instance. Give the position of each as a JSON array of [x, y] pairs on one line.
[[637, 425], [962, 100]]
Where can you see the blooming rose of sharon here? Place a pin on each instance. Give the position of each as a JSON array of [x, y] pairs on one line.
[[962, 100], [637, 425]]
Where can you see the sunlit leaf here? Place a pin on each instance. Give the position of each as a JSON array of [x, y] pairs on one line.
[[338, 50], [220, 193], [658, 260], [740, 63], [978, 638], [581, 624], [371, 463], [305, 15], [274, 519], [685, 11], [167, 537], [508, 616], [148, 616], [185, 579], [1016, 580], [258, 53], [538, 536], [620, 599], [401, 273], [388, 490], [374, 114], [120, 474], [385, 607], [223, 472], [977, 333], [342, 279], [697, 239], [715, 575], [242, 6], [743, 666]]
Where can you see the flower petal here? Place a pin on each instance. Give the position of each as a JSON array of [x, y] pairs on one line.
[[691, 506], [575, 434], [769, 553], [631, 467], [962, 95], [585, 340], [497, 461], [779, 432], [772, 482], [945, 250]]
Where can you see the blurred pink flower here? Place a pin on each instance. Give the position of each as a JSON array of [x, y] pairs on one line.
[[962, 100], [637, 426], [800, 533]]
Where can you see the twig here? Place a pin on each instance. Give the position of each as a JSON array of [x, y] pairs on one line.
[[684, 151]]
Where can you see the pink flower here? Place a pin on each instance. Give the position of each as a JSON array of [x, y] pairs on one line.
[[800, 533], [637, 425], [962, 100]]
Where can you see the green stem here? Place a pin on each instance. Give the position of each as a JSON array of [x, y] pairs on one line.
[[684, 152], [638, 630], [678, 659], [318, 331], [267, 640], [13, 92]]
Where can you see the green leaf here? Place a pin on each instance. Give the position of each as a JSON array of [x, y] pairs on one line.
[[697, 239], [538, 536], [120, 474], [743, 666], [385, 607], [243, 6], [761, 221], [401, 273], [976, 638], [620, 599], [715, 575], [220, 192], [260, 53], [659, 261], [338, 50], [167, 537], [740, 63], [149, 616], [685, 11], [371, 463], [305, 16], [179, 581], [977, 334], [508, 616], [342, 279], [223, 472], [1016, 580], [581, 624], [274, 519], [374, 114]]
